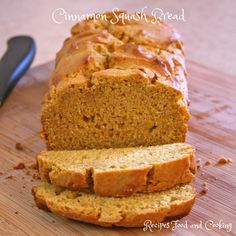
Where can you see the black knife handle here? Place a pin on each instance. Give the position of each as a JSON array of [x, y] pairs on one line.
[[15, 62]]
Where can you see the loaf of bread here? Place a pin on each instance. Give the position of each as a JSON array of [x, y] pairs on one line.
[[130, 211], [117, 85], [121, 171], [119, 89]]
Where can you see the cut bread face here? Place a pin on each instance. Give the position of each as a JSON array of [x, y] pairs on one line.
[[116, 108], [130, 211], [120, 171], [117, 85]]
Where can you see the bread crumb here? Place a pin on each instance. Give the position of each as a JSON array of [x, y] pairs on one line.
[[9, 177], [204, 184], [207, 163], [223, 161], [19, 146], [35, 176], [19, 166], [199, 167], [33, 166], [27, 172], [198, 160], [204, 191]]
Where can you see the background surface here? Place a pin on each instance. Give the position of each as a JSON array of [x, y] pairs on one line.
[[209, 32], [209, 35]]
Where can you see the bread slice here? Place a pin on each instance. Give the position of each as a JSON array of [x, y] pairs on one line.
[[121, 171], [130, 211], [117, 85]]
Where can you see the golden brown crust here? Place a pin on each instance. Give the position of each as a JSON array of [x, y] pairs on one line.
[[145, 31], [40, 202], [172, 211], [155, 46], [120, 182]]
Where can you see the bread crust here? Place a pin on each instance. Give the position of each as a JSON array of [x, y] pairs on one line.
[[169, 213], [122, 182]]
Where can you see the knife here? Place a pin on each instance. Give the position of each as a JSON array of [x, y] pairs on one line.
[[15, 62]]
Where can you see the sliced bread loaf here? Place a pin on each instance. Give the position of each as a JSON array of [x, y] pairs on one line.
[[121, 171], [130, 211], [117, 85]]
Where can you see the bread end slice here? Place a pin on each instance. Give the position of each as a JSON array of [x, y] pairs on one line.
[[132, 211]]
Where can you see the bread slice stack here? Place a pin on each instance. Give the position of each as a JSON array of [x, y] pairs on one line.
[[115, 121], [123, 186]]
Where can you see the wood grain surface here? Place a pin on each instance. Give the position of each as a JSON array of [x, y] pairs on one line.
[[212, 130]]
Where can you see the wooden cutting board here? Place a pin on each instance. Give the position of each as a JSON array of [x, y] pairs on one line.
[[212, 130]]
